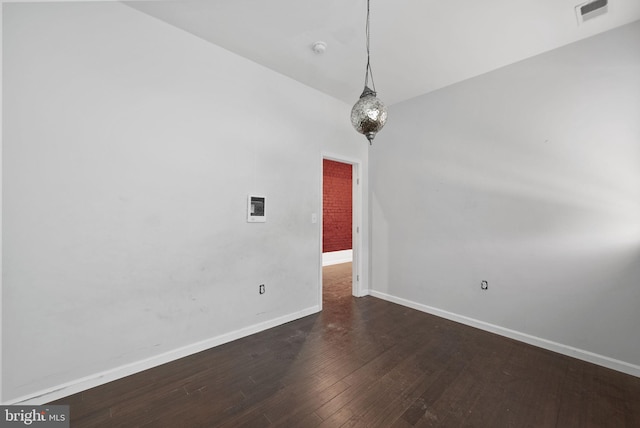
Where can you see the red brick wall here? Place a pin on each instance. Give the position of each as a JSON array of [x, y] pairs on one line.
[[336, 206]]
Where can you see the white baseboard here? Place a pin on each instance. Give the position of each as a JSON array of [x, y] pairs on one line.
[[364, 293], [97, 379], [570, 351], [337, 257]]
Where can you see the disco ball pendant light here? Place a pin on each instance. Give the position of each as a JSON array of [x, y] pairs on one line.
[[369, 114]]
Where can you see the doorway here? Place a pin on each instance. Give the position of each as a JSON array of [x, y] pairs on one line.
[[339, 276]]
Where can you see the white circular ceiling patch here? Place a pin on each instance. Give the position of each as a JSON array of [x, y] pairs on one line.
[[319, 47]]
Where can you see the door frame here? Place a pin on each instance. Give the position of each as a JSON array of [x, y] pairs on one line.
[[356, 222]]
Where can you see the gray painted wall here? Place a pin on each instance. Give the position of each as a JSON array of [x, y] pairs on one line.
[[527, 177]]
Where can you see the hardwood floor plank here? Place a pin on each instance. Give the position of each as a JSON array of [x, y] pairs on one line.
[[392, 388], [295, 412]]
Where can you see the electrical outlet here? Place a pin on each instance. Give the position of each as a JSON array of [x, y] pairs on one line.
[[261, 289], [484, 285]]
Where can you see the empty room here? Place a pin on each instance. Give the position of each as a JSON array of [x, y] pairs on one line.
[[165, 236]]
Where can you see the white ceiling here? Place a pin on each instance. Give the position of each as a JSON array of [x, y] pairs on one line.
[[417, 46]]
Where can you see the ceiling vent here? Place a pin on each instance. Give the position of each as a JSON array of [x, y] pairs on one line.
[[591, 9]]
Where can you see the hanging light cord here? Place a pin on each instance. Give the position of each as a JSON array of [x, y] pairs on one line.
[[368, 71]]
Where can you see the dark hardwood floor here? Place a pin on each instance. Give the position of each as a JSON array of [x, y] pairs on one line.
[[366, 362]]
